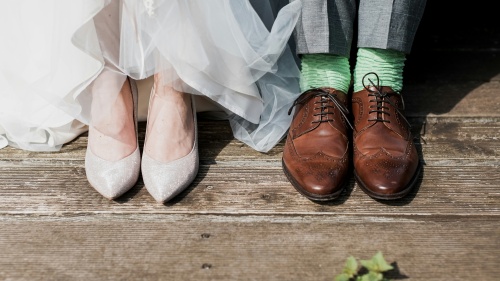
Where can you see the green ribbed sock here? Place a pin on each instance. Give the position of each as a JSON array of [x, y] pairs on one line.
[[388, 64], [324, 70]]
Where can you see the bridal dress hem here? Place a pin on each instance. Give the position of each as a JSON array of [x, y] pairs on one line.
[[59, 53], [43, 73]]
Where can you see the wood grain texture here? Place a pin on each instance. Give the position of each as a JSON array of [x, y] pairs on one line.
[[460, 178], [453, 99], [468, 140], [185, 247], [234, 189]]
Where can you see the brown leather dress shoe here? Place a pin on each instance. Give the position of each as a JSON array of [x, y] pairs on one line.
[[317, 151], [386, 163]]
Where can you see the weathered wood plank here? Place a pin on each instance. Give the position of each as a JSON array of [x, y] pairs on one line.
[[236, 189], [445, 141], [453, 99], [460, 177], [180, 247]]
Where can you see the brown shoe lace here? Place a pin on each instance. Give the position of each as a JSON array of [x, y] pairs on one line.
[[323, 105], [381, 100]]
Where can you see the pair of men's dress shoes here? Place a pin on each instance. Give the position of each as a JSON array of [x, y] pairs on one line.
[[318, 150]]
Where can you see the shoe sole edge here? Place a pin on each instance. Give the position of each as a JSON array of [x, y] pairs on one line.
[[308, 195], [394, 196]]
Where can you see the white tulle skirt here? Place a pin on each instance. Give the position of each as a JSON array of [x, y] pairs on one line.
[[63, 52], [49, 56]]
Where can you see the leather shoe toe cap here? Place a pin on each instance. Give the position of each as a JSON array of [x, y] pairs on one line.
[[317, 181], [387, 179]]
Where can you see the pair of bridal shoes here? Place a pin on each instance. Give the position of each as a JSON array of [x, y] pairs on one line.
[[163, 179]]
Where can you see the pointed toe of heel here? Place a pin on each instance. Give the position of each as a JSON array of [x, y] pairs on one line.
[[166, 180], [112, 179]]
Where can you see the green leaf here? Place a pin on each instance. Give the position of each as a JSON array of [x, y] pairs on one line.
[[351, 267], [342, 277], [372, 276], [377, 263]]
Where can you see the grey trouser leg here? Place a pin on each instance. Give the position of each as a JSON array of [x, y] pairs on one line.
[[389, 24], [326, 26]]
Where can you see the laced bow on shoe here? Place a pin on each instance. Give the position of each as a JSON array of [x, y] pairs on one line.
[[381, 100], [323, 105]]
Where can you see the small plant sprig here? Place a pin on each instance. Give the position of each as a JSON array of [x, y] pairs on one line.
[[376, 267]]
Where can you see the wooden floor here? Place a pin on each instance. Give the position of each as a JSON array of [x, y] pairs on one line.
[[242, 220]]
